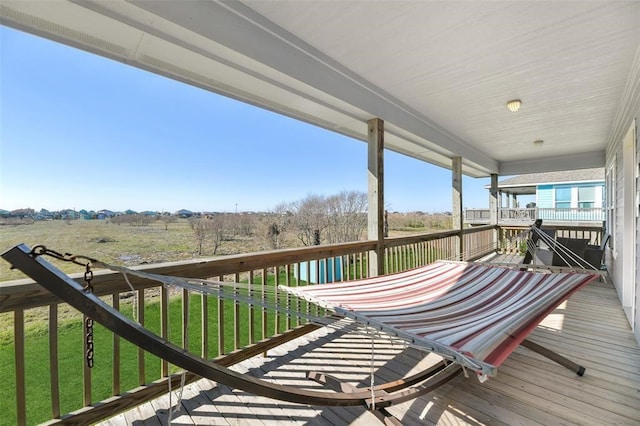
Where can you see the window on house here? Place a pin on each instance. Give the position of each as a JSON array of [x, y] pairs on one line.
[[587, 197], [563, 198]]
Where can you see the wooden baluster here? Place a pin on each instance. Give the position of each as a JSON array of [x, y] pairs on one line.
[[53, 360], [115, 363], [288, 284], [251, 311], [278, 321], [204, 326], [221, 322], [265, 319], [298, 303], [18, 332], [236, 315], [164, 326], [140, 314], [185, 319]]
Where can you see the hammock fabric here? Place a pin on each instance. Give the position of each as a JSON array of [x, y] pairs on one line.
[[470, 312]]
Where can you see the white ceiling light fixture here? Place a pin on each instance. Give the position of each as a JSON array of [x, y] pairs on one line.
[[514, 105]]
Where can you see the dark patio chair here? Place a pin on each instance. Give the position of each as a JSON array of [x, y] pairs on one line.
[[594, 255]]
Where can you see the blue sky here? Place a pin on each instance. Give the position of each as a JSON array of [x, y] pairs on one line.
[[81, 131]]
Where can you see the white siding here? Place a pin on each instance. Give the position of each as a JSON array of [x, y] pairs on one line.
[[636, 313], [622, 261]]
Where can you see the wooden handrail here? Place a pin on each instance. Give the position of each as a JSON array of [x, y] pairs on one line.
[[27, 294]]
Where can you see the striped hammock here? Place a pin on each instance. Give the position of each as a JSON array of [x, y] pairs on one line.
[[474, 314]]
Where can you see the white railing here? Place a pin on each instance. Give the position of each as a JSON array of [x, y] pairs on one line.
[[527, 215]]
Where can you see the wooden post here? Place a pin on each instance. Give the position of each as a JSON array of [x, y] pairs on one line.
[[458, 218], [493, 206], [375, 229]]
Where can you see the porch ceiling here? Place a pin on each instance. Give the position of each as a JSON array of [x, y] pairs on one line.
[[438, 73]]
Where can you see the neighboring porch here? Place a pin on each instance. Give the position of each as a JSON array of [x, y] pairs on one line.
[[514, 216]]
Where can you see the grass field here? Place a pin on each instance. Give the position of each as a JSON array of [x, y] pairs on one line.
[[118, 244]]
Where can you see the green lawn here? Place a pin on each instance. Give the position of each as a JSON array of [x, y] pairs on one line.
[[70, 356]]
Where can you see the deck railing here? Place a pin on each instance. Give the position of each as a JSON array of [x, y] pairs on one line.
[[527, 215], [207, 326], [512, 239]]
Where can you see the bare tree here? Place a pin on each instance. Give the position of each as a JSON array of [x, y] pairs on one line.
[[217, 230], [347, 216], [276, 224], [310, 218], [199, 226], [241, 224], [212, 229], [166, 219]]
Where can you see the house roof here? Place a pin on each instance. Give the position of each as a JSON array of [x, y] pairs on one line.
[[438, 73], [595, 174], [527, 183]]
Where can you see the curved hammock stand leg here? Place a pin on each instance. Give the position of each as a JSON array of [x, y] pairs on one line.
[[553, 356], [448, 372], [90, 305]]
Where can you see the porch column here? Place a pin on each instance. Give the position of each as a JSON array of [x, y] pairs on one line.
[[458, 217], [493, 199], [375, 228], [493, 209]]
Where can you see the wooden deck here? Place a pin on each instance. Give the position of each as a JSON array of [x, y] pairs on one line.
[[590, 328]]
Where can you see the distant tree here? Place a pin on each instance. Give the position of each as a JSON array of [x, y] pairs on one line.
[[310, 218], [347, 216], [211, 229], [217, 226], [241, 224], [132, 219], [199, 227], [167, 219], [334, 219], [276, 225]]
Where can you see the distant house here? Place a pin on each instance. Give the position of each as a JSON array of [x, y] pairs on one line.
[[184, 213], [22, 213], [568, 196], [105, 214], [44, 214], [85, 215], [68, 214], [577, 189]]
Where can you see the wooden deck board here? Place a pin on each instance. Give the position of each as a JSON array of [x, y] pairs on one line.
[[529, 389]]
